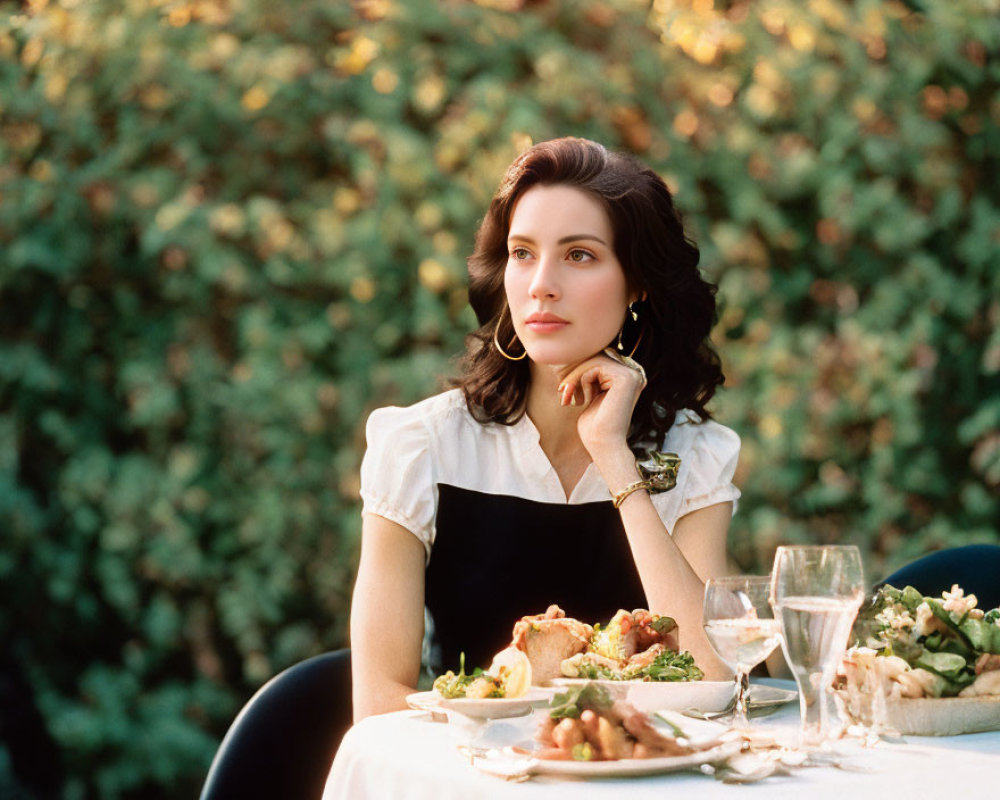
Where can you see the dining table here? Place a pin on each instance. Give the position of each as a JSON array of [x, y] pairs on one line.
[[416, 754]]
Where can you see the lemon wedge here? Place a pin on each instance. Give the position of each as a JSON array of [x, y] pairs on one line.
[[514, 669]]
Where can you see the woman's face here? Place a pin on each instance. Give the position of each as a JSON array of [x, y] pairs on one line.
[[565, 287]]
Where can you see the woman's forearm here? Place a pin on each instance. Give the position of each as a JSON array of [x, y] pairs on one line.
[[379, 697], [671, 584], [386, 618]]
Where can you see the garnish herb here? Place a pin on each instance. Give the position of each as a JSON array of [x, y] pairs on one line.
[[577, 699]]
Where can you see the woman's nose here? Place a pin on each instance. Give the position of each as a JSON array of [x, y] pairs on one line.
[[545, 282]]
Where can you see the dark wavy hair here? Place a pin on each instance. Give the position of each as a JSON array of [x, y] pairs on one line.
[[659, 261]]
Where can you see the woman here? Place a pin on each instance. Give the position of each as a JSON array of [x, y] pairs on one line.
[[520, 487]]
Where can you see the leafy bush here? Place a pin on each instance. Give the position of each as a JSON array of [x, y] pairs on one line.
[[839, 167], [230, 230]]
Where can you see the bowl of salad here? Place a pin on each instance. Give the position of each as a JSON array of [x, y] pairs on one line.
[[923, 665]]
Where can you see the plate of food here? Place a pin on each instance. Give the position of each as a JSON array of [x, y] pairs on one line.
[[503, 690], [634, 656], [634, 767], [590, 734], [635, 649], [634, 645], [481, 708], [921, 665]]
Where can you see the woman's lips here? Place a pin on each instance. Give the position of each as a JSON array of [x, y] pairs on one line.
[[545, 323], [547, 327]]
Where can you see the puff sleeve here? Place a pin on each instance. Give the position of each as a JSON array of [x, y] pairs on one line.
[[712, 459], [397, 473], [709, 453]]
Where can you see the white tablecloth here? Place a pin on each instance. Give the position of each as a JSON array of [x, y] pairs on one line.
[[407, 755]]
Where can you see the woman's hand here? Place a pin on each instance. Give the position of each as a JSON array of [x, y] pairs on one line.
[[608, 390]]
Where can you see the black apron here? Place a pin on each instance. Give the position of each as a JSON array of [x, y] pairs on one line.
[[497, 558]]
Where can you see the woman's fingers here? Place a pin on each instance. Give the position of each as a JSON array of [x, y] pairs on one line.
[[582, 388], [572, 391], [590, 384], [593, 377], [608, 390], [572, 394]]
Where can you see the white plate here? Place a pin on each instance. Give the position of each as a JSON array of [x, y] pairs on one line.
[[488, 708], [510, 764], [704, 696], [664, 695]]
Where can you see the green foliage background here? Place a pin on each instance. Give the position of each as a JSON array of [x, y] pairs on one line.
[[230, 228]]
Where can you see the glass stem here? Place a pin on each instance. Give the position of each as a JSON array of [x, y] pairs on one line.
[[741, 718], [812, 698]]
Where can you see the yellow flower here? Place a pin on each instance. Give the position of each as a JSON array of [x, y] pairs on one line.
[[255, 98]]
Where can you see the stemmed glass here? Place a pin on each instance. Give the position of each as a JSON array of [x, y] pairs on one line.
[[816, 592], [742, 629]]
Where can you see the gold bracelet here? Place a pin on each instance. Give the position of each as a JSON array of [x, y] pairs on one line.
[[632, 487]]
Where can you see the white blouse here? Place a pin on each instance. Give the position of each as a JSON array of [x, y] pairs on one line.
[[436, 441]]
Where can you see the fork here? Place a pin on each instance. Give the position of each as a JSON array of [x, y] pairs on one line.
[[694, 713]]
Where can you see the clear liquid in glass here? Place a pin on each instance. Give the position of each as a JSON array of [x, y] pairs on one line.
[[743, 643], [815, 631]]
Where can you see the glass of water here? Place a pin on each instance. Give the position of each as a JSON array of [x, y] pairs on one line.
[[816, 592], [742, 629]]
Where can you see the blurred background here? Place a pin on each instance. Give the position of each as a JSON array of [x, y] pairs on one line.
[[231, 228]]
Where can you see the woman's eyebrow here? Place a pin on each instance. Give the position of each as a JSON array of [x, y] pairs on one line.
[[576, 237]]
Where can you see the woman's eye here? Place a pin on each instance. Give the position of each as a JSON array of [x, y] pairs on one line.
[[519, 254], [580, 256]]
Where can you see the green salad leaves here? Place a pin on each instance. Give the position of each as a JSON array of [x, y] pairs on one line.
[[577, 699], [667, 666], [943, 635], [452, 685]]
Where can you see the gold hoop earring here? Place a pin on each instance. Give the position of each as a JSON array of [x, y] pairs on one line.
[[496, 342], [635, 318]]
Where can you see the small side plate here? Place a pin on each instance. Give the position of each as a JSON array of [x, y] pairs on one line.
[[488, 708]]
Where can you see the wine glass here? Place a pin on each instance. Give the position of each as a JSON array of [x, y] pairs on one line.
[[816, 592], [742, 629]]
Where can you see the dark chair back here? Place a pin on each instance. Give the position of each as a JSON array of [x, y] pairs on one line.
[[975, 567], [282, 743]]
